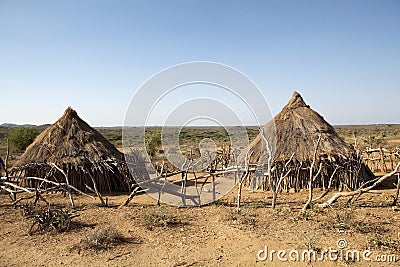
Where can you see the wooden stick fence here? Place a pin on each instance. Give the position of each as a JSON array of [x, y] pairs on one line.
[[381, 159]]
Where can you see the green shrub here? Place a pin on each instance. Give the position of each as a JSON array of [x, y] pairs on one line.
[[22, 137], [153, 143]]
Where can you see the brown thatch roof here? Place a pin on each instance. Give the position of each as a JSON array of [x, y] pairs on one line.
[[69, 140], [297, 129], [77, 148]]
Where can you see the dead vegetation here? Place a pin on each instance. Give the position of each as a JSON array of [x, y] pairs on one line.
[[47, 219], [383, 242], [245, 218], [346, 218], [102, 239], [160, 217], [207, 234]]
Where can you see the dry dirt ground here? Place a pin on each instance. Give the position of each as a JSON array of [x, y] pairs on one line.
[[213, 235]]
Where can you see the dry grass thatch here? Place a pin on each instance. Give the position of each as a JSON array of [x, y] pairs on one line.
[[80, 151], [296, 129]]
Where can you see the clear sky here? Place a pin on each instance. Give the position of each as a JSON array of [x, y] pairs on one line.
[[342, 56]]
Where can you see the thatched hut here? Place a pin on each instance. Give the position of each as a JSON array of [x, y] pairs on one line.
[[80, 151], [293, 134]]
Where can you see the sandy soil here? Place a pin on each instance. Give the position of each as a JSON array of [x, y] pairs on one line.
[[213, 235]]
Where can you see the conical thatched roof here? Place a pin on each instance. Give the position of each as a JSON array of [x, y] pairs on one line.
[[69, 140], [295, 131], [78, 149]]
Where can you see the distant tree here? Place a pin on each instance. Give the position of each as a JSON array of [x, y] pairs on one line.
[[153, 143], [22, 137]]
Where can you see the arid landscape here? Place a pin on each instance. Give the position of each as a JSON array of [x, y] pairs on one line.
[[200, 133], [212, 235]]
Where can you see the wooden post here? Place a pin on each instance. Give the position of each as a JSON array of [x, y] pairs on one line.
[[391, 161], [97, 190], [384, 169], [312, 177], [396, 197], [246, 173], [6, 159]]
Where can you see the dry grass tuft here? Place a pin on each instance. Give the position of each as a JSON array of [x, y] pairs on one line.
[[102, 239], [243, 218], [160, 218], [385, 242], [345, 219]]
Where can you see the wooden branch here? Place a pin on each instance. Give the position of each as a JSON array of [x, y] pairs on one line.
[[10, 191], [96, 189], [18, 187], [71, 199], [311, 184], [244, 176], [162, 188], [396, 197], [187, 163], [283, 176], [6, 159], [60, 185], [360, 191], [130, 197], [329, 186]]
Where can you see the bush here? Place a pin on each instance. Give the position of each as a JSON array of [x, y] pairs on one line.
[[102, 239], [153, 143], [47, 218], [160, 218], [243, 218], [22, 137]]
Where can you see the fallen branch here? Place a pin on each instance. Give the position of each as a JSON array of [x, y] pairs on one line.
[[360, 191], [130, 197]]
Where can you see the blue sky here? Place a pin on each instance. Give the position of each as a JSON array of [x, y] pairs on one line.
[[342, 56]]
